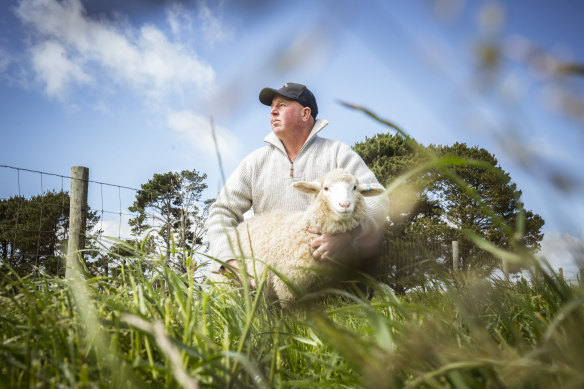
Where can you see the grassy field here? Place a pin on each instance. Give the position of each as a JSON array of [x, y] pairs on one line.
[[161, 329]]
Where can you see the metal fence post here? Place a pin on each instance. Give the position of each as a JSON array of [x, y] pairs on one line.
[[77, 216]]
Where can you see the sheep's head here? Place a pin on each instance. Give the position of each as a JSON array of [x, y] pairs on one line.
[[341, 191]]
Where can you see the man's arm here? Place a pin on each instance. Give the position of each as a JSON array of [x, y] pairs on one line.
[[226, 213]]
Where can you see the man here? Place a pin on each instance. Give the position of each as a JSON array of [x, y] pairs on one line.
[[294, 152]]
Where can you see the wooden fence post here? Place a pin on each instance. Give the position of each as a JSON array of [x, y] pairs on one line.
[[77, 216], [455, 255], [506, 270]]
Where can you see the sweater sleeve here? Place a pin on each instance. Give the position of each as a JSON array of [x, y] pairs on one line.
[[227, 212], [377, 206]]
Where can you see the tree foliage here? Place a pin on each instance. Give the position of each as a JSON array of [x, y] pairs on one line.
[[388, 157], [33, 233], [493, 215], [169, 205], [431, 209]]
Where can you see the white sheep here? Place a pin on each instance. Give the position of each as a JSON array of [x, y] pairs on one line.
[[282, 239]]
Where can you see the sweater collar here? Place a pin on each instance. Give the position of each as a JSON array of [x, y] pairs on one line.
[[272, 139]]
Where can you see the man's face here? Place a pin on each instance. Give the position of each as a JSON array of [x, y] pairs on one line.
[[286, 114]]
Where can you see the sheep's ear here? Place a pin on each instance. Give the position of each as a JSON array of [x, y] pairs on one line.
[[307, 187], [369, 190]]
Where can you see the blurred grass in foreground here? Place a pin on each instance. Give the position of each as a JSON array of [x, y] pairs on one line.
[[162, 329]]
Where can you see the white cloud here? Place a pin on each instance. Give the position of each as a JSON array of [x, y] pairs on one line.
[[563, 250], [5, 60], [114, 228], [212, 27], [197, 130], [70, 47], [56, 69], [178, 20]]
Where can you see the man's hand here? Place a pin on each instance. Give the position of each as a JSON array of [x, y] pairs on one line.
[[233, 268], [336, 246]]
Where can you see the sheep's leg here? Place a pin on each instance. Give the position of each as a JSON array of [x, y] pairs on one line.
[[283, 293]]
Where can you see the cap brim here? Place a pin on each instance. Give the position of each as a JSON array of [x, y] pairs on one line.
[[267, 95]]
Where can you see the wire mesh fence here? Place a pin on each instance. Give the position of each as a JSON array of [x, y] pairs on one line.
[[35, 219]]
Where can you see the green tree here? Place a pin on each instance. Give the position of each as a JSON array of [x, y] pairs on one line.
[[431, 209], [493, 215], [33, 233], [170, 205]]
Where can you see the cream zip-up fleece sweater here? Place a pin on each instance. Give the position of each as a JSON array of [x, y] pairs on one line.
[[263, 182]]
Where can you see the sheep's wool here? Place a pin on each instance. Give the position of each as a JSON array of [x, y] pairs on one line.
[[282, 239]]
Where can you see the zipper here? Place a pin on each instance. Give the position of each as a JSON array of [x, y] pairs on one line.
[[299, 152], [280, 147], [310, 139]]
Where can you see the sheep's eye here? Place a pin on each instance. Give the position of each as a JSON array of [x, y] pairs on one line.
[[326, 188], [355, 187]]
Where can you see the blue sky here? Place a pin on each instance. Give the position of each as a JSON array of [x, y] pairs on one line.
[[128, 88]]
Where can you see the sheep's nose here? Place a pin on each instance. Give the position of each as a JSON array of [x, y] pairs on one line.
[[345, 205]]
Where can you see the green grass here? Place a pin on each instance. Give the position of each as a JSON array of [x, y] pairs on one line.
[[161, 329]]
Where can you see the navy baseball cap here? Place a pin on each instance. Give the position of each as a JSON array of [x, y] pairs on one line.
[[292, 91]]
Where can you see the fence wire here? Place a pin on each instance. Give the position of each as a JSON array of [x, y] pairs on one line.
[[102, 209], [34, 210], [29, 198]]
